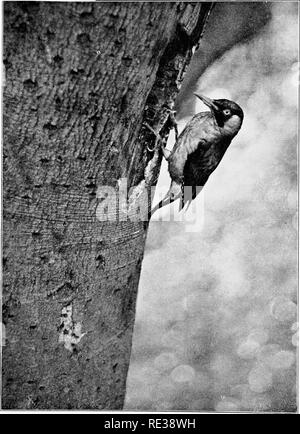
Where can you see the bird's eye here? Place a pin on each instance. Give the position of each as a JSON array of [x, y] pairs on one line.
[[226, 112]]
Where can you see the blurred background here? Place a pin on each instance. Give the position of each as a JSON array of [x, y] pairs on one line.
[[216, 326]]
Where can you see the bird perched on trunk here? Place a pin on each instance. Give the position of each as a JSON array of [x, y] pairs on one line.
[[200, 148]]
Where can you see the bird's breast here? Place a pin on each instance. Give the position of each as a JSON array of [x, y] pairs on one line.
[[203, 137]]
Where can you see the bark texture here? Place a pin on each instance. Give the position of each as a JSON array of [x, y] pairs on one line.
[[81, 78]]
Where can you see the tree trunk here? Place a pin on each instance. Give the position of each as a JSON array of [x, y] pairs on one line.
[[81, 80]]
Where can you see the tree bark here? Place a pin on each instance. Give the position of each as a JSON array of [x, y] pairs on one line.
[[81, 80]]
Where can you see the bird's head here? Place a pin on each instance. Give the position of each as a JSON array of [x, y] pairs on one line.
[[228, 114]]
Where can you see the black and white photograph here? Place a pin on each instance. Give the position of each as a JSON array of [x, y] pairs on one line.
[[149, 210]]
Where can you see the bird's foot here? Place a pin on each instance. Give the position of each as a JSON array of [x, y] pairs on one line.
[[159, 140], [157, 135]]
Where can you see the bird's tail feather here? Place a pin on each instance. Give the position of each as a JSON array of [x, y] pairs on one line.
[[188, 195], [176, 190], [174, 193], [183, 202]]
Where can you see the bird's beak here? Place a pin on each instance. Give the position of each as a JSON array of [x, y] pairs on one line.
[[207, 101]]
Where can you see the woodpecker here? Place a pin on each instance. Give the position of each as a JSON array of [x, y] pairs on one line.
[[200, 148]]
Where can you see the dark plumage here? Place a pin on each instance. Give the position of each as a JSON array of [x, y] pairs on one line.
[[200, 148]]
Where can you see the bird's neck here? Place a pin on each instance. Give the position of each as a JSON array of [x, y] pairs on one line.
[[232, 125]]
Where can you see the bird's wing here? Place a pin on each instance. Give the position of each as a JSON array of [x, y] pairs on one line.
[[194, 133], [192, 139], [195, 176], [198, 168]]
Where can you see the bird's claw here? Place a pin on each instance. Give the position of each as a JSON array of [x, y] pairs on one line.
[[151, 129], [150, 149], [157, 135], [165, 151]]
